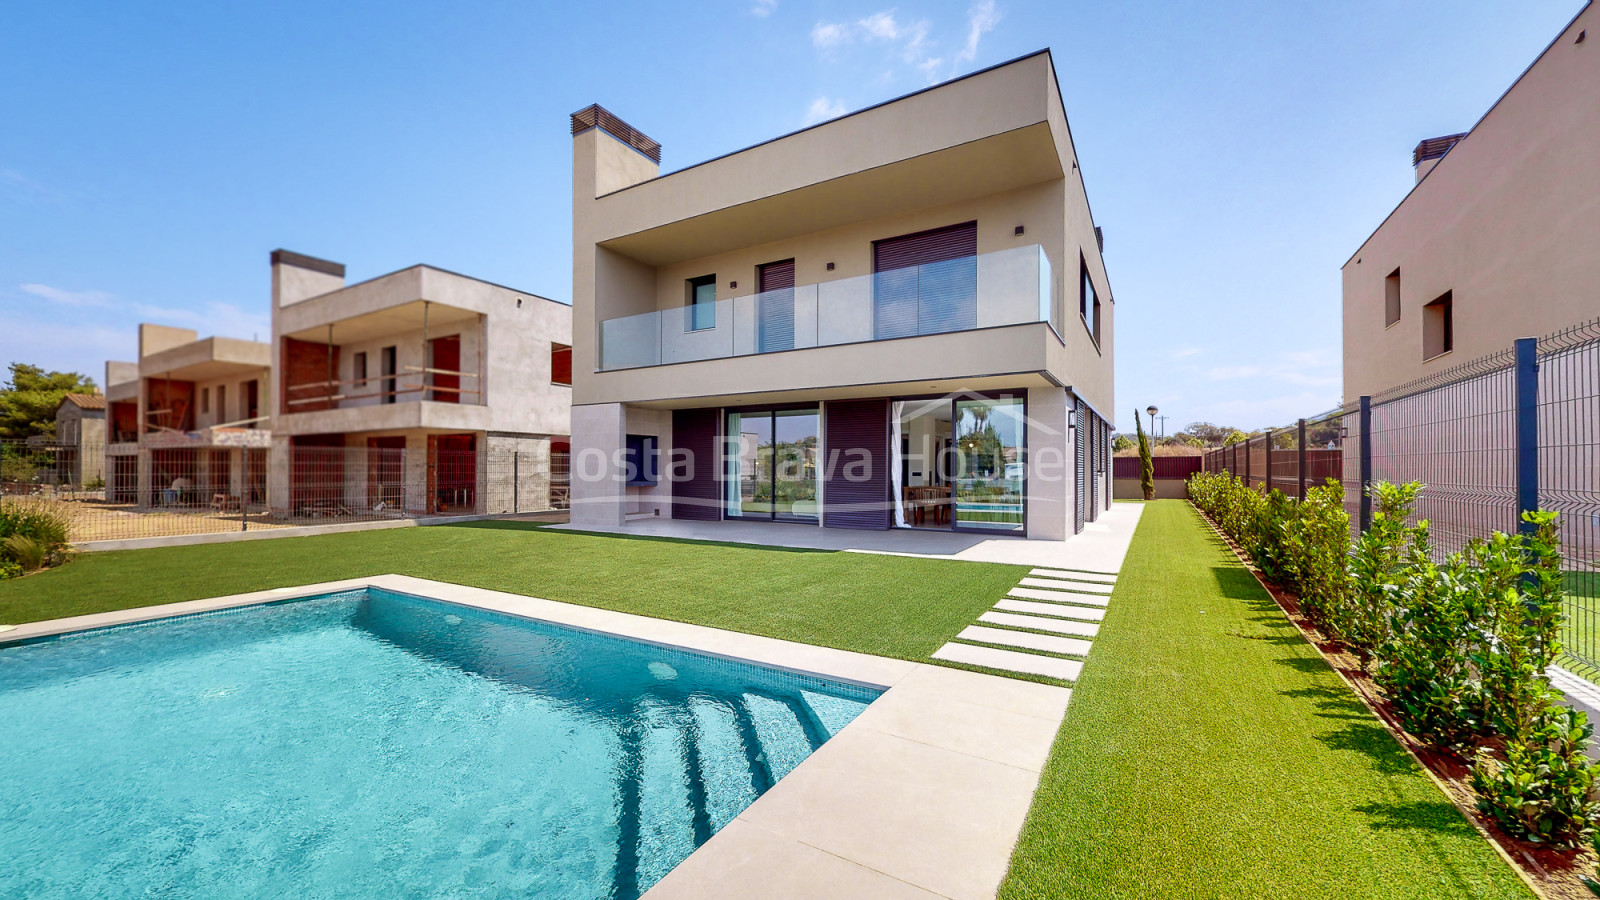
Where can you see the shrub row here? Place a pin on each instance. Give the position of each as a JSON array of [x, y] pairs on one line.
[[1459, 647], [33, 535]]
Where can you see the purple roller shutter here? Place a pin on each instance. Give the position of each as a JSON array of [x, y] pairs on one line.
[[856, 470], [1080, 423], [696, 480], [775, 306], [925, 247]]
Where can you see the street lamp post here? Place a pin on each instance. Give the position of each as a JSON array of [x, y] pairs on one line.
[[1156, 422]]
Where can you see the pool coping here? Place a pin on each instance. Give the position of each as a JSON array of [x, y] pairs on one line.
[[922, 796]]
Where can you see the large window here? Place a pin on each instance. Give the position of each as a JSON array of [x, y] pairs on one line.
[[701, 310], [641, 460], [990, 464], [925, 283], [772, 464]]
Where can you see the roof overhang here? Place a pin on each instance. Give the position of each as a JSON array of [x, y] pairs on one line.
[[402, 318], [989, 165], [207, 359]]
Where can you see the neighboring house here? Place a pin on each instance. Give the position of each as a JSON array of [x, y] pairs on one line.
[[81, 438], [419, 392], [897, 317], [197, 407], [1497, 240]]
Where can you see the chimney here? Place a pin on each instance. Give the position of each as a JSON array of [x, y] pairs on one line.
[[608, 154], [156, 338], [1430, 151], [297, 277], [120, 373]]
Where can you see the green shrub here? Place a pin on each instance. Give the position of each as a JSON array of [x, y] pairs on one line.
[[1424, 663], [10, 569], [1318, 542], [1540, 791], [1382, 559], [25, 551], [47, 522]]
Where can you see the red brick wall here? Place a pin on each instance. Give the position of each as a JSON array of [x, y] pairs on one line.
[[308, 363]]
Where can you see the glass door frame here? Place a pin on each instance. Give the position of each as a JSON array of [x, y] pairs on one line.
[[955, 522], [730, 462]]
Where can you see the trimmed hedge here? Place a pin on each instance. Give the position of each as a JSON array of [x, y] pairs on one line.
[[1459, 647]]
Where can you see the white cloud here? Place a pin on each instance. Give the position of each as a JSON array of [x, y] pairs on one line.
[[1186, 352], [822, 109], [764, 8], [67, 298], [214, 318], [910, 40], [981, 19], [825, 36]]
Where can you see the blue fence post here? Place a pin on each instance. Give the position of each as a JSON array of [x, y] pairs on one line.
[[1366, 464], [1526, 386]]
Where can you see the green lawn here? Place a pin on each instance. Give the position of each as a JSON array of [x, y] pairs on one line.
[[1210, 752], [1207, 752], [887, 605]]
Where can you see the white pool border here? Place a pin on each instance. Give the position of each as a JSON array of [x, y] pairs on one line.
[[922, 796]]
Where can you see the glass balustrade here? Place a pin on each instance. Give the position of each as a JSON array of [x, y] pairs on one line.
[[1005, 287]]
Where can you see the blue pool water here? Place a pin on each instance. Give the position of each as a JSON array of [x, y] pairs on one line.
[[373, 744]]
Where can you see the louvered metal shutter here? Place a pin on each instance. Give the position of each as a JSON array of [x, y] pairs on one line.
[[775, 307], [696, 489], [926, 283], [854, 429], [1078, 445], [1093, 511]]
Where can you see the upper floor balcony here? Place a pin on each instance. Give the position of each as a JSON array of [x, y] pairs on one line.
[[1015, 286]]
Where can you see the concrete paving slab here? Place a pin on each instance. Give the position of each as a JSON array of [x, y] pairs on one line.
[[943, 821], [1010, 661], [1101, 577], [1100, 547], [1026, 640], [1078, 587], [1023, 593], [745, 860], [1026, 697], [1086, 616], [998, 735], [1040, 623]]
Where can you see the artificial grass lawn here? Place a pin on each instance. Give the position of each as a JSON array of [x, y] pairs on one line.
[[886, 605], [1209, 752]]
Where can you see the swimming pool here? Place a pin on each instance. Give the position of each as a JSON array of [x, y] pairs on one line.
[[372, 743]]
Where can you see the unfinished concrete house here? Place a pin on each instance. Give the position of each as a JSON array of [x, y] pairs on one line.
[[420, 392]]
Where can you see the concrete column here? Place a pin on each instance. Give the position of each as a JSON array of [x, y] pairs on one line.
[[278, 464], [599, 433], [1050, 465], [416, 469], [144, 498]]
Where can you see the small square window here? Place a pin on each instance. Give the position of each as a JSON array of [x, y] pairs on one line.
[[1391, 298], [701, 303]]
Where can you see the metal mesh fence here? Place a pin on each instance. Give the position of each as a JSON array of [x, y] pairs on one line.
[[1519, 429], [123, 492]]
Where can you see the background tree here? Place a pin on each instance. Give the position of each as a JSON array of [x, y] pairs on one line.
[[1147, 468], [1237, 437], [1208, 434], [28, 401], [1120, 443]]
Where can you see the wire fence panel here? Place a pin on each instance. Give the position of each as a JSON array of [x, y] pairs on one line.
[[1515, 430], [124, 492]]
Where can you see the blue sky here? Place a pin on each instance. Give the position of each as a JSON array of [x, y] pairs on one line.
[[1236, 153]]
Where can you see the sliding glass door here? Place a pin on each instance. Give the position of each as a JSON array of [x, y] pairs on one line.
[[990, 467], [772, 464]]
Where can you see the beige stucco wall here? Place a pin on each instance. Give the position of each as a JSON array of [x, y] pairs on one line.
[[516, 331], [609, 283], [1509, 221]]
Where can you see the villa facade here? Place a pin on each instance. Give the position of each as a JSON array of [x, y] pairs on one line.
[[896, 318]]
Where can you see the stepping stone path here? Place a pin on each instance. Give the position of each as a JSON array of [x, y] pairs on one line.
[[1049, 615]]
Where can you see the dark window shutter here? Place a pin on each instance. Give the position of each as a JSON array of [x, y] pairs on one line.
[[926, 283], [853, 430], [775, 306], [697, 480], [1078, 445]]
